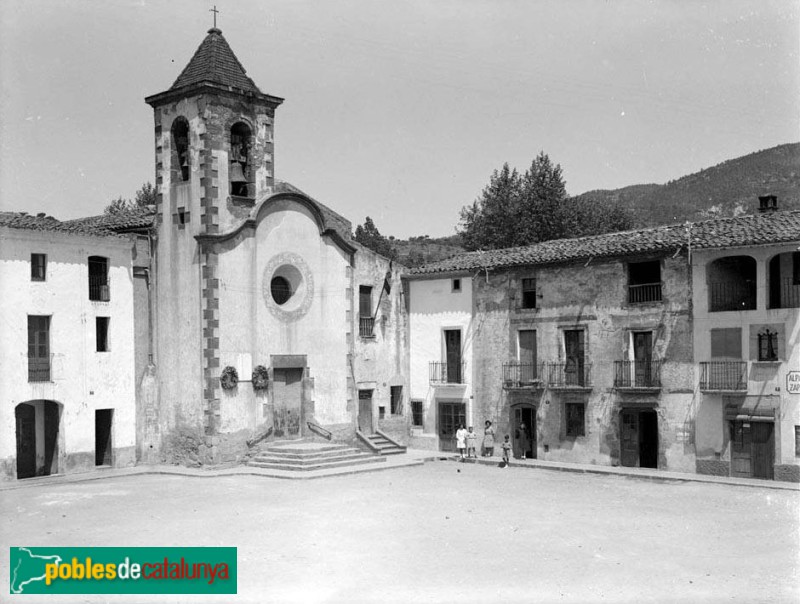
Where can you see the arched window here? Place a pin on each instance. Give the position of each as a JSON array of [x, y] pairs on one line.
[[241, 172], [180, 150], [731, 284]]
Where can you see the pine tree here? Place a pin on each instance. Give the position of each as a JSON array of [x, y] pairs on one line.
[[370, 237]]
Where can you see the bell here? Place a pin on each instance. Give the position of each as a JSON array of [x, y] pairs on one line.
[[237, 175], [184, 161]]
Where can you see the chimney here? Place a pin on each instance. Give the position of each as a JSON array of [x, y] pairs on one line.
[[767, 203]]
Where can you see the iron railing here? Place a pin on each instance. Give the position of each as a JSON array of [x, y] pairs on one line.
[[637, 374], [788, 294], [726, 295], [366, 325], [644, 292], [447, 373], [99, 290], [521, 375], [723, 375], [570, 374], [39, 368]]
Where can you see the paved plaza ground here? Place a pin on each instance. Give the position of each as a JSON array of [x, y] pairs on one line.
[[442, 532]]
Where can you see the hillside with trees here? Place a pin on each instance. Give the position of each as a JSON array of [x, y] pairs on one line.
[[727, 189]]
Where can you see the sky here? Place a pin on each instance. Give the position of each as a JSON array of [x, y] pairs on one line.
[[401, 111]]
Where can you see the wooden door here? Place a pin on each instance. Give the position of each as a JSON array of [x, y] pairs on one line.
[[26, 440], [762, 449], [449, 417], [741, 464], [52, 419], [365, 411], [574, 353], [629, 439], [642, 358], [287, 390], [527, 355], [452, 344]]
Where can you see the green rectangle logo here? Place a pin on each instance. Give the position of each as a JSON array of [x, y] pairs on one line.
[[123, 570]]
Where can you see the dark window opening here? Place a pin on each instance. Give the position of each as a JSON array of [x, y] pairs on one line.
[[644, 282], [103, 419], [281, 290], [101, 332], [38, 267], [180, 155], [241, 170], [397, 400], [381, 412], [575, 358], [529, 293], [366, 322], [181, 216], [784, 280], [797, 441], [731, 284], [456, 285], [452, 346], [99, 290], [796, 268], [575, 419], [38, 348], [768, 346], [416, 413]]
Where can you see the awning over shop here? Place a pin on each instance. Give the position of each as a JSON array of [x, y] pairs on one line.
[[752, 408]]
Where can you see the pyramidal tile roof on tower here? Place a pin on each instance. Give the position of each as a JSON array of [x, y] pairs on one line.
[[214, 61]]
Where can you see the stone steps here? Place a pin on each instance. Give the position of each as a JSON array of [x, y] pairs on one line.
[[305, 456], [385, 446]]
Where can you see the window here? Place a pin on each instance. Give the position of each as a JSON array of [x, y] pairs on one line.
[[797, 441], [575, 416], [38, 348], [381, 412], [452, 348], [526, 345], [98, 279], [180, 151], [416, 413], [644, 282], [529, 293], [397, 400], [574, 357], [101, 333], [456, 285], [731, 284], [182, 216], [366, 322], [38, 267], [796, 268], [240, 173], [726, 343], [768, 346], [281, 290]]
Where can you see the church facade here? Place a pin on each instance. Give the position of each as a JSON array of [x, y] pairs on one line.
[[269, 318]]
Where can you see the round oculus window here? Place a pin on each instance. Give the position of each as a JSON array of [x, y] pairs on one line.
[[281, 290]]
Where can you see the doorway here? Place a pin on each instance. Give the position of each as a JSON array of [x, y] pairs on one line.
[[452, 344], [102, 437], [365, 411], [37, 433], [524, 438], [450, 416], [287, 392], [752, 449], [639, 438], [26, 440]]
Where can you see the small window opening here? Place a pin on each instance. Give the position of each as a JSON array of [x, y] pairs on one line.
[[38, 267], [180, 157], [181, 216], [281, 290], [644, 282], [456, 285], [768, 346], [416, 413], [98, 279], [529, 293], [381, 412], [397, 400], [241, 169], [101, 331]]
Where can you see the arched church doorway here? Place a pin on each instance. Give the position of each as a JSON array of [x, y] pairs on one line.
[[37, 430], [523, 426]]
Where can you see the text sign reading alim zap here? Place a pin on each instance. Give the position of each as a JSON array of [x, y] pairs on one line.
[[123, 570]]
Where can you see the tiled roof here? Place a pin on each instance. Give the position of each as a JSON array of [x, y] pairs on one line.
[[333, 220], [122, 221], [41, 222], [758, 229], [215, 62]]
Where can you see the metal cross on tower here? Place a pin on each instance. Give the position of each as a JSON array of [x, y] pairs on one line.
[[215, 11]]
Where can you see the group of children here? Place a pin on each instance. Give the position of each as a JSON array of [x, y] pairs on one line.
[[465, 441]]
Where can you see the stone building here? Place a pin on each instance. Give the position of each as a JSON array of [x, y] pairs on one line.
[[255, 277], [593, 344], [68, 389]]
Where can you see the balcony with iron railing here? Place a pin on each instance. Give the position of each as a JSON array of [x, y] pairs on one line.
[[785, 295], [522, 375], [39, 368], [568, 374], [731, 295], [447, 373], [641, 293], [725, 376], [643, 375], [99, 290], [366, 327]]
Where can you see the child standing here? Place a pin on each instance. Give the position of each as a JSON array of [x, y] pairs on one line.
[[471, 438], [461, 437], [506, 449]]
